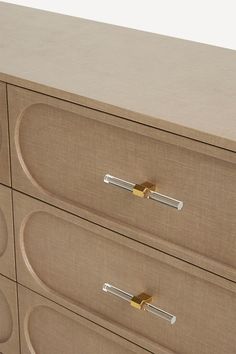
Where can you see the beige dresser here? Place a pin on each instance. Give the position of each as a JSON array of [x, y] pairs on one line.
[[117, 190]]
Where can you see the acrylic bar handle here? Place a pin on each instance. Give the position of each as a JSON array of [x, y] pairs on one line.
[[146, 305], [158, 197]]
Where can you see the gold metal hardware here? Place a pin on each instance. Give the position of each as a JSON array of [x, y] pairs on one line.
[[140, 300], [143, 190]]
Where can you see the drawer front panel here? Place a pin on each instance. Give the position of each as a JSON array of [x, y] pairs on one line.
[[7, 256], [61, 153], [69, 259], [47, 328], [9, 339], [4, 142]]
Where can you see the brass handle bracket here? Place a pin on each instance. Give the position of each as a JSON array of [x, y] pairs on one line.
[[140, 300], [143, 190]]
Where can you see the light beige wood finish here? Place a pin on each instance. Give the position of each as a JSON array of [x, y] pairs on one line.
[[68, 260], [61, 152], [85, 99], [7, 253], [176, 85], [9, 338], [4, 143], [47, 328]]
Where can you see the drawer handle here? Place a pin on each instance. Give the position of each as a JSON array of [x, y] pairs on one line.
[[144, 190], [140, 302]]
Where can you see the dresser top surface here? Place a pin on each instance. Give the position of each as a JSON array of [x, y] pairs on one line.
[[176, 85]]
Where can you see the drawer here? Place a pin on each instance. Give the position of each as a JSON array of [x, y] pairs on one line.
[[61, 153], [68, 260], [4, 142], [9, 338], [7, 253], [47, 328]]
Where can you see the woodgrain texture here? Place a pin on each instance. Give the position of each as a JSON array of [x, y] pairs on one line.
[[9, 339], [68, 260], [61, 152], [47, 328], [7, 254], [176, 85], [4, 143]]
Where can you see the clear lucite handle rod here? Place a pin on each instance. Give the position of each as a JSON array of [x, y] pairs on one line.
[[161, 313], [161, 198], [164, 199], [147, 306], [119, 182], [108, 288]]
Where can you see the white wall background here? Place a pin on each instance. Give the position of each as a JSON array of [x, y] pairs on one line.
[[207, 21]]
